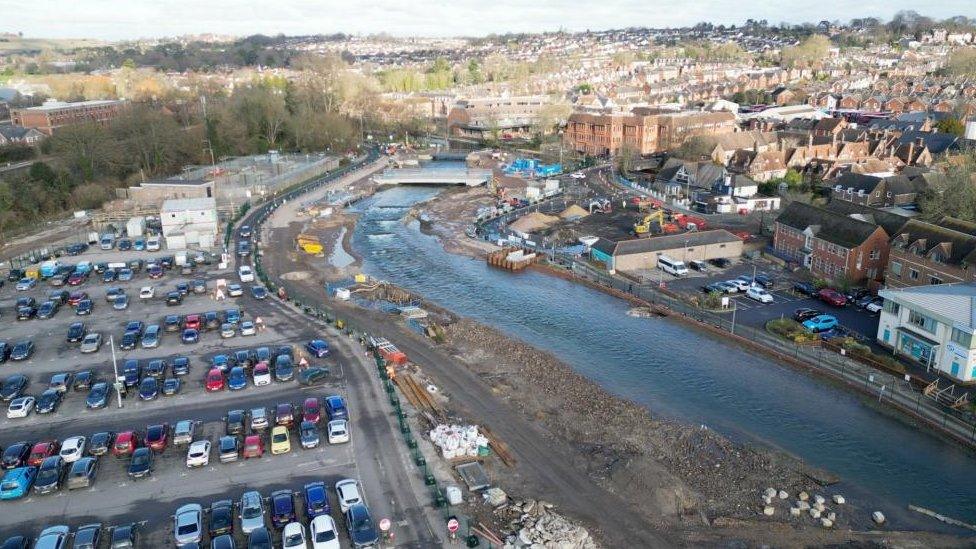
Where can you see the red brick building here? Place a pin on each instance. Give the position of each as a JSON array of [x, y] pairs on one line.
[[56, 114], [830, 244], [646, 130]]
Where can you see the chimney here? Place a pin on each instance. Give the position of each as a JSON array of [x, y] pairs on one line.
[[911, 153], [810, 139]]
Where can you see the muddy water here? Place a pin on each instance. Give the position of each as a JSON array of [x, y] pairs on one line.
[[679, 372]]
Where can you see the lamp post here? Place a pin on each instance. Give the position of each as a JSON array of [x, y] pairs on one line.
[[115, 368]]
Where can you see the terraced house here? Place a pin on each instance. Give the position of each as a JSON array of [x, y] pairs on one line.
[[832, 245], [925, 254]]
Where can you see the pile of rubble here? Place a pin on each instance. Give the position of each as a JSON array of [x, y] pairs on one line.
[[538, 526]]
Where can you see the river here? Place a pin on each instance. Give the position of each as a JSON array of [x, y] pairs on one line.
[[679, 372]]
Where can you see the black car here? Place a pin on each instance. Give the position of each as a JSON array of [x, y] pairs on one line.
[[262, 354], [50, 474], [140, 465], [710, 288], [23, 350], [181, 366], [76, 332], [235, 422], [48, 402], [97, 396], [174, 298], [13, 387], [124, 537], [805, 288], [764, 280], [84, 307], [149, 388], [88, 536], [135, 326], [16, 455], [129, 341], [211, 320], [59, 296], [243, 358], [284, 369], [47, 309], [84, 379], [259, 539], [26, 312], [856, 294], [720, 262], [15, 274], [109, 276], [125, 245], [4, 351], [222, 542], [26, 301], [172, 323], [198, 286], [313, 375], [156, 368], [132, 372], [171, 386], [100, 443], [282, 508], [183, 288], [221, 518], [801, 315]]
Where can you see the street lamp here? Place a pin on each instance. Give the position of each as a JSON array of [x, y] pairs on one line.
[[115, 367]]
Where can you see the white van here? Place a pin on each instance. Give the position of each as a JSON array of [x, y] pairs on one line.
[[245, 273], [672, 266], [152, 243], [107, 242]]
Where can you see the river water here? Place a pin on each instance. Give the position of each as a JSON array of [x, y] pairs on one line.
[[678, 372]]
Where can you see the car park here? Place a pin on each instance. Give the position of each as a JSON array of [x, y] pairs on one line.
[[198, 454], [82, 473], [362, 531], [820, 323], [141, 463], [188, 524], [338, 431]]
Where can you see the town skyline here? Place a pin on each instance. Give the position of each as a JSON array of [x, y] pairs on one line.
[[103, 20]]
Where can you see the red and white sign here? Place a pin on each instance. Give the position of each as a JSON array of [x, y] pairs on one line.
[[385, 525], [453, 525]]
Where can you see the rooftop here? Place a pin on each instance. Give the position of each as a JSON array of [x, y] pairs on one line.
[[955, 303], [664, 243], [184, 204], [55, 105]]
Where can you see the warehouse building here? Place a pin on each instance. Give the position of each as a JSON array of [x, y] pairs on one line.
[[189, 223], [642, 253]]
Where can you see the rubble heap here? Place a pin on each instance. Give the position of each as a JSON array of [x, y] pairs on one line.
[[537, 526]]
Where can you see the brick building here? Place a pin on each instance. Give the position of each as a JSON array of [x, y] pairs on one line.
[[832, 245], [507, 116], [150, 193], [924, 254], [56, 114], [646, 130]]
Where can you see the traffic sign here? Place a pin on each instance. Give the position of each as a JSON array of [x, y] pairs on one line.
[[453, 525], [385, 525]]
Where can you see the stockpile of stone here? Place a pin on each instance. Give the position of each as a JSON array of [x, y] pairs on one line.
[[815, 507], [537, 526], [457, 441]]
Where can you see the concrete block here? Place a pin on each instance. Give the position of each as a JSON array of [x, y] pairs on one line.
[[839, 499]]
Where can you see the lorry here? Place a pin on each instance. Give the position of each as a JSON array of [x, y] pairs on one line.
[[136, 226], [50, 268]]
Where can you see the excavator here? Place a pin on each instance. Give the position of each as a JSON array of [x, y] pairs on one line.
[[655, 222]]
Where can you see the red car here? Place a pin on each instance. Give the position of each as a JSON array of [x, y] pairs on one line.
[[192, 322], [42, 450], [311, 410], [157, 437], [253, 447], [831, 296], [215, 380], [77, 297], [125, 444], [76, 279]]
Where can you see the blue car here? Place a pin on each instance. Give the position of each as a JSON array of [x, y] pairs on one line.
[[125, 275], [232, 316], [221, 362], [820, 323], [190, 336], [318, 348], [139, 245], [335, 407], [237, 379], [259, 292], [132, 372], [17, 482], [149, 389], [108, 275], [316, 499]]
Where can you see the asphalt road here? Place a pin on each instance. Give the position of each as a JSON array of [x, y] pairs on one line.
[[115, 499]]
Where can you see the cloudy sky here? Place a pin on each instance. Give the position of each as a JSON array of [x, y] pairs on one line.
[[122, 19]]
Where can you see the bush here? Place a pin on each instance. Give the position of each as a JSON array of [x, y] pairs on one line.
[[784, 327]]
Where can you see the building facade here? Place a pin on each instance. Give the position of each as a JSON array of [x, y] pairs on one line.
[[645, 130], [642, 253], [508, 117], [932, 325], [831, 245], [52, 115], [189, 223], [924, 254]]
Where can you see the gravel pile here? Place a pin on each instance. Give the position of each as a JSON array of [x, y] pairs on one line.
[[537, 526]]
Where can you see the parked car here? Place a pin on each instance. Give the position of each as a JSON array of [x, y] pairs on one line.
[[172, 323], [831, 296], [259, 292], [261, 374], [50, 475], [125, 443], [759, 294], [16, 455], [317, 348], [48, 402], [234, 422], [148, 388], [284, 414], [805, 288], [258, 418], [338, 430], [215, 380], [157, 437], [190, 336], [348, 492], [324, 533], [312, 375], [699, 266], [91, 343], [308, 433], [228, 448], [764, 280], [280, 440], [335, 408], [362, 531], [803, 314], [76, 332], [84, 380], [221, 518], [198, 454], [293, 535], [22, 350], [82, 473], [237, 378], [820, 323], [17, 482], [251, 512], [316, 499], [88, 536], [188, 524], [183, 432], [282, 508], [171, 386], [20, 407], [73, 449], [141, 463], [13, 387], [875, 305], [85, 307], [253, 446], [125, 536], [181, 365], [720, 262]]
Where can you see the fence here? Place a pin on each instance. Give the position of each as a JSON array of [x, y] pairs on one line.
[[889, 389]]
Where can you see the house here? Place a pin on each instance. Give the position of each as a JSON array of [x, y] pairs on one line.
[[189, 223], [681, 177], [932, 325], [643, 129], [926, 254], [642, 253], [16, 135], [832, 245], [879, 192], [783, 96], [736, 185], [761, 166]]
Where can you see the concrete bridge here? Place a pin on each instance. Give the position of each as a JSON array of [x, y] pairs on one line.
[[471, 177]]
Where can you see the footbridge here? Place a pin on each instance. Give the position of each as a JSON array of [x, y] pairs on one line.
[[472, 177]]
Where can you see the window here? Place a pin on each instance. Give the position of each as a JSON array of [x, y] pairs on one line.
[[916, 318], [875, 254], [913, 274], [895, 268], [933, 280], [891, 307], [962, 338]]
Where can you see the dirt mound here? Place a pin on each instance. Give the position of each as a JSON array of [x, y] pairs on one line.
[[573, 211], [297, 275], [533, 222]]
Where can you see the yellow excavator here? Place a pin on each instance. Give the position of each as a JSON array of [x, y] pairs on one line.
[[309, 244], [646, 224]]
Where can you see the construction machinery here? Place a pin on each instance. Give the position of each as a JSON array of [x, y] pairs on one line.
[[690, 223], [309, 244], [645, 204], [601, 205], [656, 222]]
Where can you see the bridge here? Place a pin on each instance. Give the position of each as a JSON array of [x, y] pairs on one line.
[[471, 177]]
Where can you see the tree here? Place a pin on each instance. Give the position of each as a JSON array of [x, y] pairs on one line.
[[962, 62], [952, 126], [694, 148], [626, 157], [807, 53], [956, 196]]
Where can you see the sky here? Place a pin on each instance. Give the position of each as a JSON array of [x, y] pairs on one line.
[[129, 19]]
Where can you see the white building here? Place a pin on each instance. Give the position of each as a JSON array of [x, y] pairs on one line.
[[933, 325], [189, 223]]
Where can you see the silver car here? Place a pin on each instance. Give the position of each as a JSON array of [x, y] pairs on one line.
[[91, 343], [259, 419], [252, 512], [188, 524], [53, 537]]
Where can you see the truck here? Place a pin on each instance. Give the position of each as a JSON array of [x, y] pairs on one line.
[[92, 238], [136, 226], [50, 268], [180, 259]]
